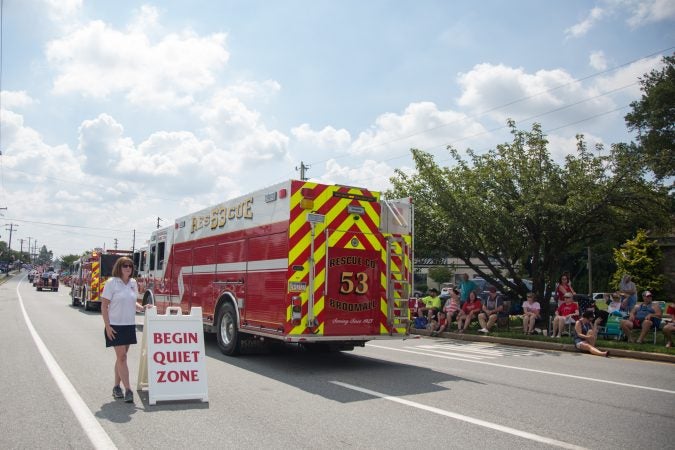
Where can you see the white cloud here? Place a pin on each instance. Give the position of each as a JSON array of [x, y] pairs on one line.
[[628, 76], [371, 174], [328, 138], [552, 97], [583, 27], [98, 61], [645, 12], [562, 146], [63, 10], [421, 125], [597, 60], [639, 12], [16, 99]]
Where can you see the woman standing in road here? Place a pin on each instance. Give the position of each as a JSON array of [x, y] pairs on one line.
[[118, 308]]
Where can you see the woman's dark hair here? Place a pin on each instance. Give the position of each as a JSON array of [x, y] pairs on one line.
[[587, 315]]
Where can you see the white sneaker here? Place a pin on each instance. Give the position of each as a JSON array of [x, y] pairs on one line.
[[484, 330]]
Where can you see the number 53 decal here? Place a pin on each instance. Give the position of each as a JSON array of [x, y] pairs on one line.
[[351, 282]]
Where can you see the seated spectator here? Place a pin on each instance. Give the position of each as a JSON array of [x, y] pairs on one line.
[[670, 326], [599, 316], [421, 321], [585, 333], [432, 303], [469, 312], [615, 305], [628, 292], [439, 326], [451, 307], [494, 304], [531, 310], [644, 316], [566, 314]]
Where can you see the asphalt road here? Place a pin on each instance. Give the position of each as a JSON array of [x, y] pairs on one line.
[[418, 393]]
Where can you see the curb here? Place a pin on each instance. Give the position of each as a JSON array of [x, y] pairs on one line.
[[647, 356]]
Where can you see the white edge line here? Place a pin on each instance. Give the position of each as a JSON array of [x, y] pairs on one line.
[[524, 369], [457, 416], [95, 432]]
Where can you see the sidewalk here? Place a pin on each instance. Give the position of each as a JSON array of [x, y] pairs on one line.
[[647, 356]]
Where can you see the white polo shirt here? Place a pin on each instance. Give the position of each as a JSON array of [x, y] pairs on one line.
[[122, 310]]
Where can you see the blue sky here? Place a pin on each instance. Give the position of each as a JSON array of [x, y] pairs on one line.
[[116, 113]]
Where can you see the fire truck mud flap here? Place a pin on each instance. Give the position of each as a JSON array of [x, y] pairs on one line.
[[331, 347], [228, 336]]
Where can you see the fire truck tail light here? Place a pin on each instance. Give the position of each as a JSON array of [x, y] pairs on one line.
[[296, 308], [307, 201]]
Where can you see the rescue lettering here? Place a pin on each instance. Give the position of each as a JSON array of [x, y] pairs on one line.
[[164, 358], [351, 307], [175, 338], [177, 376], [222, 214], [352, 261]]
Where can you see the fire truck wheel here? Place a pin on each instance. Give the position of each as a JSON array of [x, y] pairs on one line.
[[228, 334]]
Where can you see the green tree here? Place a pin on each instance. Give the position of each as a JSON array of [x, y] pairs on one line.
[[514, 208], [653, 116], [45, 256], [641, 258], [67, 260], [441, 274]]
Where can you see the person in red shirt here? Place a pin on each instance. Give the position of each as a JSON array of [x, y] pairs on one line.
[[564, 287], [469, 312], [567, 313]]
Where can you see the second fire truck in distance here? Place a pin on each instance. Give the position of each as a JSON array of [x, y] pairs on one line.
[[89, 275], [326, 266]]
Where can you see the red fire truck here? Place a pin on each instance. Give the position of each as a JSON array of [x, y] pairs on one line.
[[89, 275], [326, 266]]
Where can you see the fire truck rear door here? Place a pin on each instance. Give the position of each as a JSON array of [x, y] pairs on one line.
[[353, 288]]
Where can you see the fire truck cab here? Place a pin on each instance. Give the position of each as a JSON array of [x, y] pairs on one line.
[[48, 280], [90, 273], [326, 266]]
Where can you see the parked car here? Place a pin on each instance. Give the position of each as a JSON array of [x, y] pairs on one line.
[[445, 293], [602, 298]]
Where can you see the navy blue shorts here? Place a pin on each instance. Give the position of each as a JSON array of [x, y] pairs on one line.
[[656, 323], [126, 335]]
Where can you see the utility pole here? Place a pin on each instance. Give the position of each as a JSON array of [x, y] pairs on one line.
[[9, 247], [303, 168], [159, 219], [590, 273], [115, 240], [21, 251], [30, 261]]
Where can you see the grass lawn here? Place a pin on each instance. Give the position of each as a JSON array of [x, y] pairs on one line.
[[516, 332]]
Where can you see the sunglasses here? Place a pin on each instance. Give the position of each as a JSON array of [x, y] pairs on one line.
[[129, 266]]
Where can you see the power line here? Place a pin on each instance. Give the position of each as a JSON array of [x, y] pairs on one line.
[[65, 225]]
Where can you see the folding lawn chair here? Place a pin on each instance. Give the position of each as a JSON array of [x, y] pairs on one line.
[[612, 328]]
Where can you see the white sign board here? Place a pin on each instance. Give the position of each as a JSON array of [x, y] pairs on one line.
[[173, 361]]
